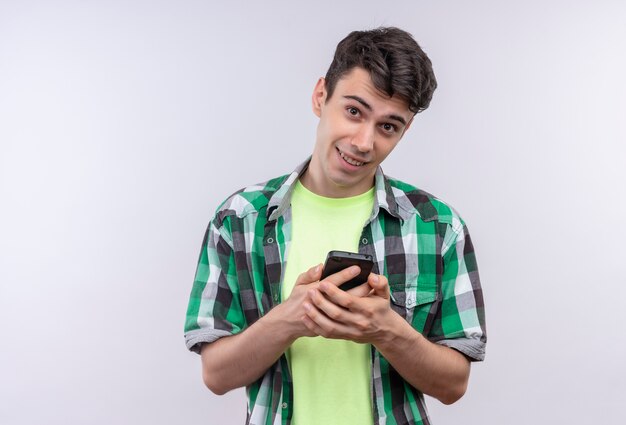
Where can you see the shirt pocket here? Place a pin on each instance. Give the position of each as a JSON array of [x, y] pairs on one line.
[[416, 300]]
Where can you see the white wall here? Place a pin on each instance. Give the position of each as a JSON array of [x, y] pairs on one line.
[[124, 124]]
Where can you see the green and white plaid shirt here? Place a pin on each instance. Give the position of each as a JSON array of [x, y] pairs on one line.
[[417, 241]]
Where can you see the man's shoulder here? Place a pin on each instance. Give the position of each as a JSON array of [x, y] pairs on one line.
[[251, 199], [427, 206]]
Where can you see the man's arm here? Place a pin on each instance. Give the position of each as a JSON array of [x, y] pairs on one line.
[[438, 371], [236, 361]]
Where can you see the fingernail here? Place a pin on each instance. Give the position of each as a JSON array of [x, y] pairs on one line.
[[307, 307], [355, 271], [317, 268], [375, 278]]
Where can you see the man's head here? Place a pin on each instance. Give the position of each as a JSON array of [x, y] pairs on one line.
[[394, 60], [377, 82]]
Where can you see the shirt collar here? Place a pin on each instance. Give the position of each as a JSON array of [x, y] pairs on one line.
[[385, 196]]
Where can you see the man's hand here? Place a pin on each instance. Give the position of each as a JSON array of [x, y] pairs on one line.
[[295, 307], [362, 314]]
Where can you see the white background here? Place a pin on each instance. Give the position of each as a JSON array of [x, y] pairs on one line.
[[124, 124]]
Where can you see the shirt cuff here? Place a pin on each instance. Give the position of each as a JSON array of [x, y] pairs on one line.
[[472, 348], [195, 338]]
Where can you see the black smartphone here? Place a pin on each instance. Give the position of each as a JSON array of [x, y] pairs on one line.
[[339, 260]]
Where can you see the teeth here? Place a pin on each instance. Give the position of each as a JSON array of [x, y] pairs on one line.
[[350, 160]]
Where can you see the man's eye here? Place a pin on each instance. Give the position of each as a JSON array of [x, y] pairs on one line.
[[389, 128], [353, 111]]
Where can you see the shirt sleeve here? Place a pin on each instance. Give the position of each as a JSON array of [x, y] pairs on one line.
[[214, 309], [460, 321]]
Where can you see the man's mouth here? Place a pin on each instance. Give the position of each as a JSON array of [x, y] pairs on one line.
[[350, 160]]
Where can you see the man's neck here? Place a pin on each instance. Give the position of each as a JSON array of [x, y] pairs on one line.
[[318, 183]]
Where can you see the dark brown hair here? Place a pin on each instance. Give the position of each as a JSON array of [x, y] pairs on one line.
[[396, 63]]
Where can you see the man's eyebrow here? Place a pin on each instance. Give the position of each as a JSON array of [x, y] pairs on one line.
[[397, 118], [361, 101], [369, 108]]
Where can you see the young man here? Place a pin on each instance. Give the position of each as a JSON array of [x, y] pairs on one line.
[[307, 351]]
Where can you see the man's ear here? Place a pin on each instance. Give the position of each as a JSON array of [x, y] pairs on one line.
[[319, 96]]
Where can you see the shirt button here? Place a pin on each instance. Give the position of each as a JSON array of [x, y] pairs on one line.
[[270, 240], [284, 405], [364, 240], [276, 297]]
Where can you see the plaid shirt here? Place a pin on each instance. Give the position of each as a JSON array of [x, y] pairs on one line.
[[417, 241]]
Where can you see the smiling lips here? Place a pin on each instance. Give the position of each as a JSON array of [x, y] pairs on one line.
[[350, 160]]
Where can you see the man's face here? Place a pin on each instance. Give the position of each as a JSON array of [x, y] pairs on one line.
[[359, 126]]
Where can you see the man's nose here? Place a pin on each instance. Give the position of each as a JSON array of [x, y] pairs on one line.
[[363, 140]]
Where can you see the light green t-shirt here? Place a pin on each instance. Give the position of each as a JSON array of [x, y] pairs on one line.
[[331, 378]]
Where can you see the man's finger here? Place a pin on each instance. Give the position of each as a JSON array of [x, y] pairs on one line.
[[379, 285], [326, 327], [337, 297], [326, 304], [363, 290], [343, 276], [310, 276]]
